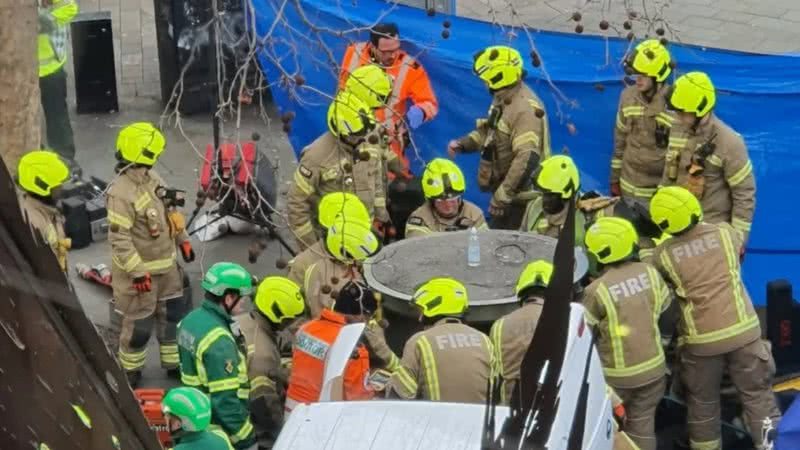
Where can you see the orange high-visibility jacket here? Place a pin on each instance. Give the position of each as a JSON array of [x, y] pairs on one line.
[[312, 343], [411, 83]]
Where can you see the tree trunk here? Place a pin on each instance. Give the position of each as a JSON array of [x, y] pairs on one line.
[[19, 81]]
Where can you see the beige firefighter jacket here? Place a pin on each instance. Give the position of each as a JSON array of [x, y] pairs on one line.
[[729, 194], [49, 221], [267, 377], [305, 259], [139, 232], [511, 335], [328, 165], [717, 315], [424, 220], [638, 161], [518, 136], [623, 306], [537, 221], [449, 362], [322, 281]]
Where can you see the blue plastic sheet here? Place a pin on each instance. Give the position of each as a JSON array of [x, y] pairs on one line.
[[758, 95], [789, 428]]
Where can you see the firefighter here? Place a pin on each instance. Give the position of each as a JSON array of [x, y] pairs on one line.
[[643, 124], [330, 206], [449, 361], [411, 84], [341, 160], [52, 49], [709, 158], [40, 175], [212, 354], [623, 306], [443, 185], [371, 85], [720, 330], [144, 229], [347, 244], [278, 302], [512, 139], [512, 334], [558, 180], [188, 414], [355, 303]]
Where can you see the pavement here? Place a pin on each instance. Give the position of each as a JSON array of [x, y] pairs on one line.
[[760, 25]]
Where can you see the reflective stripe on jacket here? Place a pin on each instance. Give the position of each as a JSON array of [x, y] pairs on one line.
[[312, 343], [624, 305], [448, 362], [54, 35], [702, 264], [211, 359]]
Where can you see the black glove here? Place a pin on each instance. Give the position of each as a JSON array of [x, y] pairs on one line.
[[356, 298]]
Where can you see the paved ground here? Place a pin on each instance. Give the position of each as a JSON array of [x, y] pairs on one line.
[[766, 26]]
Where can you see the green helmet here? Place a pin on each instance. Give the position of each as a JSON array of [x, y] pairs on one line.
[[190, 405], [223, 276]]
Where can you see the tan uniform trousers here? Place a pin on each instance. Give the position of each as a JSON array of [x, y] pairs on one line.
[[162, 307], [751, 370], [640, 411]]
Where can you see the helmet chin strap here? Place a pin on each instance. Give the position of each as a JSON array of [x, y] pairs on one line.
[[650, 94], [230, 309]]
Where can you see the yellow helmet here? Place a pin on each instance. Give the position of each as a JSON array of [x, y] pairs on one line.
[[535, 274], [650, 58], [442, 297], [41, 171], [611, 239], [693, 93], [350, 240], [559, 175], [140, 143], [370, 84], [341, 203], [498, 66], [442, 179], [279, 299], [674, 209], [349, 116]]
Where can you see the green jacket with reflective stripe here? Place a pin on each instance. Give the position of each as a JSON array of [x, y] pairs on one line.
[[203, 440], [212, 360]]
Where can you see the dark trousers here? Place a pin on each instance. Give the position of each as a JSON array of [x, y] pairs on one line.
[[54, 103]]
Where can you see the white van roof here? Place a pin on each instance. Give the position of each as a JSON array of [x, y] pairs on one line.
[[361, 425]]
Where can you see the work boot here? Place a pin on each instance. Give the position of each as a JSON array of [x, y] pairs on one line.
[[134, 378], [175, 373]]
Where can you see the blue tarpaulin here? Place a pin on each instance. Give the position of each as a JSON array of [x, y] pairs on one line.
[[758, 95], [789, 428]]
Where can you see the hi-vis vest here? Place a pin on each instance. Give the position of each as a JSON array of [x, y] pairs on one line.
[[53, 35]]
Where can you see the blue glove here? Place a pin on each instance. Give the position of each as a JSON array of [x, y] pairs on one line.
[[415, 117]]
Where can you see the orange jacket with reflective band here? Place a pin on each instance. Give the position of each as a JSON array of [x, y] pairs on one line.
[[312, 343], [410, 82]]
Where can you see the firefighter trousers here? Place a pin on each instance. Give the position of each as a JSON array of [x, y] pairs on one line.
[[163, 307], [640, 411], [751, 369]]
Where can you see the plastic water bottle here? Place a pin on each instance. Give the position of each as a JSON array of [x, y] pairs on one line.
[[473, 249]]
